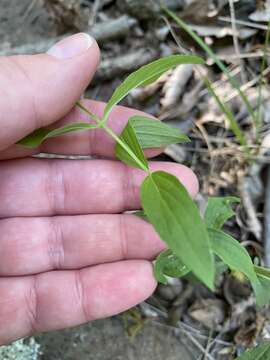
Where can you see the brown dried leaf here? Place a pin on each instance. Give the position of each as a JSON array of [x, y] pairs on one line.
[[209, 312]]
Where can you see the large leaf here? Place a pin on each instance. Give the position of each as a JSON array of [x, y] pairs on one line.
[[261, 352], [38, 136], [176, 218], [237, 258], [219, 210], [168, 264], [153, 133], [129, 139], [147, 73]]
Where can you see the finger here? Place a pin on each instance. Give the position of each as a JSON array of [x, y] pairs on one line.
[[61, 299], [34, 187], [90, 142], [47, 86], [35, 245]]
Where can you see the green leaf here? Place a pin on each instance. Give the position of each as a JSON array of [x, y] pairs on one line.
[[38, 136], [177, 220], [140, 214], [263, 275], [153, 133], [167, 264], [146, 73], [237, 258], [261, 352], [128, 137], [260, 270], [219, 210], [265, 289]]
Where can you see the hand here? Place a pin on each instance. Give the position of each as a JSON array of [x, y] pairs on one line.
[[67, 256]]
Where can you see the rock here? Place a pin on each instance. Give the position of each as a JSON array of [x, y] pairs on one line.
[[107, 340]]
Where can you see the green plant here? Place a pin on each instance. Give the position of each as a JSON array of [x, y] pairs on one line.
[[261, 352], [194, 242]]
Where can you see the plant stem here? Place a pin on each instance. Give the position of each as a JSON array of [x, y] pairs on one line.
[[125, 146], [89, 113], [101, 125], [220, 64]]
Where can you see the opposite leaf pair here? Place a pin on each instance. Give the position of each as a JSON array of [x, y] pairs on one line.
[[165, 201]]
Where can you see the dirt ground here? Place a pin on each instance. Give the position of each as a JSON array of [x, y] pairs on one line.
[[185, 319]]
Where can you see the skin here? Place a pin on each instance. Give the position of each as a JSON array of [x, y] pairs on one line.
[[66, 254]]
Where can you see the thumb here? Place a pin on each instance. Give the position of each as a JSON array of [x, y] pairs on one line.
[[36, 90]]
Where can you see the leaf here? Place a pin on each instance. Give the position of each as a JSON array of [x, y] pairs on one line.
[[261, 352], [219, 210], [153, 133], [263, 275], [147, 74], [167, 264], [237, 258], [177, 220], [265, 288], [128, 137], [140, 214], [260, 270], [38, 136]]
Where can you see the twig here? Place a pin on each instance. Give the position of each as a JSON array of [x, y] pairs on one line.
[[267, 220], [235, 38], [199, 346], [102, 32], [247, 85], [245, 23]]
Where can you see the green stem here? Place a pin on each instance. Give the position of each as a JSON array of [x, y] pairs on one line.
[[125, 146], [101, 125], [219, 63], [89, 113]]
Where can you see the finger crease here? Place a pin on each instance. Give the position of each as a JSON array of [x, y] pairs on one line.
[[56, 248], [80, 295], [57, 188], [127, 187], [123, 238], [32, 306]]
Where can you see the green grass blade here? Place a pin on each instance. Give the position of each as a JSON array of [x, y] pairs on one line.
[[219, 63], [227, 112]]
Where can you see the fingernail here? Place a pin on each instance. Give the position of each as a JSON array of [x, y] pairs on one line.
[[71, 46]]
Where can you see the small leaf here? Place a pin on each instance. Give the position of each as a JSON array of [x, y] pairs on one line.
[[153, 133], [219, 210], [261, 352], [146, 74], [140, 214], [237, 258], [38, 136], [167, 264], [128, 136], [176, 218], [260, 270]]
